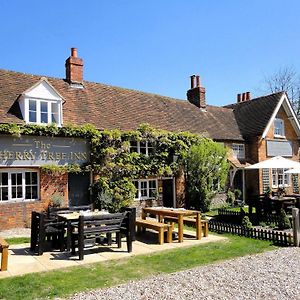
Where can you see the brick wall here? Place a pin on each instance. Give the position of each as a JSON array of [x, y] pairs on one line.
[[290, 135], [18, 214]]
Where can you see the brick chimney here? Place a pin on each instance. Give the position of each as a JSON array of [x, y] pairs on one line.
[[243, 97], [74, 68], [196, 94]]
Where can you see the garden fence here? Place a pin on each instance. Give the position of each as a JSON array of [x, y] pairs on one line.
[[277, 237]]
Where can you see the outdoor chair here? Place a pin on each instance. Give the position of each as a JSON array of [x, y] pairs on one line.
[[44, 230], [89, 229]]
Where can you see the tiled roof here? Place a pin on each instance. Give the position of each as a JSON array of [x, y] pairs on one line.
[[109, 107], [253, 116]]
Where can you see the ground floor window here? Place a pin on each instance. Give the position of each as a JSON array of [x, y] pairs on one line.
[[18, 185], [279, 178], [145, 189]]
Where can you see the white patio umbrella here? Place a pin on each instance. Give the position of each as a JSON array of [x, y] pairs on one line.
[[293, 171], [277, 162]]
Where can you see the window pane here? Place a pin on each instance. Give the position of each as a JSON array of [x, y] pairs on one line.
[[44, 107], [14, 192], [27, 178], [34, 178], [4, 192], [4, 179], [54, 112], [133, 146], [19, 179], [13, 179], [34, 192], [152, 184], [28, 192], [143, 147], [32, 105], [44, 118], [32, 116], [19, 192]]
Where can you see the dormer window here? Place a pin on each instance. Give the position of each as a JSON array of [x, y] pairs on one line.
[[41, 104], [43, 112], [278, 127]]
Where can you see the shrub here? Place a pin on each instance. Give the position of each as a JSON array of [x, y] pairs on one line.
[[57, 200], [246, 222], [284, 222]]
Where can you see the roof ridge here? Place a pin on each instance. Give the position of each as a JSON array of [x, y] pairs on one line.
[[252, 100], [98, 83]]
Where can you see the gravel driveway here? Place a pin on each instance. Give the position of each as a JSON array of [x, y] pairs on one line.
[[269, 276]]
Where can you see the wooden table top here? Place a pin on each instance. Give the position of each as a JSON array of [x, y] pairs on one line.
[[75, 214], [170, 211]]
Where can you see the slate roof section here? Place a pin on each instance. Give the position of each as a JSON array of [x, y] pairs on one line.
[[109, 107], [253, 116]]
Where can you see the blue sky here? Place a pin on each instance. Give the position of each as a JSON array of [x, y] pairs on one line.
[[154, 46]]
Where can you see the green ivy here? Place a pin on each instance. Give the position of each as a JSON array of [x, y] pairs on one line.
[[111, 158]]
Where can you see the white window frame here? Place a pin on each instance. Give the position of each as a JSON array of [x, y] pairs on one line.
[[239, 150], [148, 146], [140, 181], [279, 127], [38, 111], [286, 178], [23, 172]]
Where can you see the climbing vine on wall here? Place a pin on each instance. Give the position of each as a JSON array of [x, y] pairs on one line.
[[111, 155]]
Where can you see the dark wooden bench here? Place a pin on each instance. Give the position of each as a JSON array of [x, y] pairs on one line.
[[90, 228], [189, 221], [4, 250], [157, 226]]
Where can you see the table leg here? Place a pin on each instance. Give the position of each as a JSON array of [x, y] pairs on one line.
[[180, 228], [69, 235], [144, 215], [198, 227]]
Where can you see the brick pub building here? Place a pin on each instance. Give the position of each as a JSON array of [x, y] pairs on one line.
[[254, 129]]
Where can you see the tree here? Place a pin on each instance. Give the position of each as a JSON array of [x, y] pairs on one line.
[[288, 80], [206, 169]]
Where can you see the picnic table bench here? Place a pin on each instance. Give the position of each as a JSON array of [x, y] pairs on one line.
[[90, 227], [157, 226], [4, 250], [189, 220]]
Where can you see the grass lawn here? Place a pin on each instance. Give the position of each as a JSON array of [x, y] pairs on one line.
[[18, 240], [65, 282], [214, 212]]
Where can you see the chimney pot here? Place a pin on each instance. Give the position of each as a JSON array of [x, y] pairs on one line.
[[193, 81], [197, 81], [239, 98], [243, 97], [248, 96], [74, 52]]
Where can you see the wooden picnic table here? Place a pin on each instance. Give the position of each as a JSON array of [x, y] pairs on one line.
[[72, 217], [179, 213]]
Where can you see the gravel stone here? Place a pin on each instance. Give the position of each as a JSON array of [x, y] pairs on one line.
[[273, 275]]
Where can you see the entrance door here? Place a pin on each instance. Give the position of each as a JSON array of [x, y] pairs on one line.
[[168, 192], [79, 189]]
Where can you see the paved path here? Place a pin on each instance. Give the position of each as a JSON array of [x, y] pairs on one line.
[[22, 261]]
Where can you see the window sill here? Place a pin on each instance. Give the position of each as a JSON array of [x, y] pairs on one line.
[[281, 137], [18, 201]]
